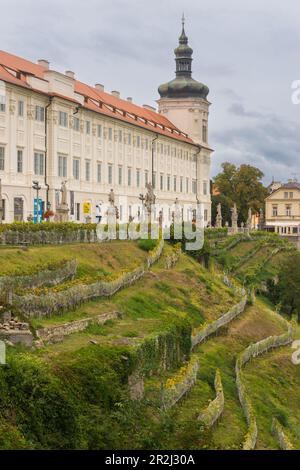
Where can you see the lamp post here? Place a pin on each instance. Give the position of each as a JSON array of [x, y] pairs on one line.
[[37, 187]]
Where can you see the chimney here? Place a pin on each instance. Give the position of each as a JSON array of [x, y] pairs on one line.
[[99, 87], [129, 99], [44, 63], [70, 74], [147, 106], [116, 94]]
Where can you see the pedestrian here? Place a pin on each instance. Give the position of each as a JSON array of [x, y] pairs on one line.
[[98, 213]]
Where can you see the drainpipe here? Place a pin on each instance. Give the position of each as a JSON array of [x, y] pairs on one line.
[[153, 159], [46, 152]]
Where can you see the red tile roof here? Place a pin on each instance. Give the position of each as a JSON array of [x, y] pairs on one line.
[[15, 70]]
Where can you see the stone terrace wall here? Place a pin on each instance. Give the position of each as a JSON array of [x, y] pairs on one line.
[[49, 277], [200, 335], [279, 434], [251, 351], [55, 334], [54, 302], [214, 410]]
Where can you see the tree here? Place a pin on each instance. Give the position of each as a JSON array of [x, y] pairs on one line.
[[288, 287], [241, 185]]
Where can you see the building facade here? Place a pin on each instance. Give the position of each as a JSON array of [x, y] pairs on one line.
[[54, 128], [283, 210]]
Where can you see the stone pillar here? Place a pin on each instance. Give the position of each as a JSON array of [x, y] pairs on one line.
[[219, 218], [234, 219]]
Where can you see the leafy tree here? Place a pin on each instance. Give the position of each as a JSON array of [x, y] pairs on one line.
[[288, 287], [241, 185]]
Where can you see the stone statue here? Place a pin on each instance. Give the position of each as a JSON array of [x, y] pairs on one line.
[[177, 213], [234, 218], [62, 211], [63, 191], [111, 197], [150, 197], [219, 218], [249, 220]]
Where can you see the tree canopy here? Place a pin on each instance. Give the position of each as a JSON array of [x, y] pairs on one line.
[[241, 185]]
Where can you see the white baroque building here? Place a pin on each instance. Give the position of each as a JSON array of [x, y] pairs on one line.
[[54, 128]]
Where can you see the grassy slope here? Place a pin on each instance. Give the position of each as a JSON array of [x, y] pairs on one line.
[[148, 306]]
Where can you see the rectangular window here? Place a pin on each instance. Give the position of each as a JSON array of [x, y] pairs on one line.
[[129, 139], [39, 113], [161, 182], [187, 185], [181, 184], [110, 178], [77, 211], [146, 144], [274, 211], [146, 177], [2, 103], [20, 161], [205, 215], [168, 183], [88, 127], [76, 171], [286, 195], [2, 158], [204, 131], [194, 186], [76, 124], [175, 184], [288, 211], [63, 119], [87, 170], [39, 164], [99, 172], [138, 141], [99, 131], [110, 133], [205, 188], [20, 108], [291, 195], [129, 177], [120, 136], [138, 178], [154, 180], [3, 209], [120, 175], [62, 166]]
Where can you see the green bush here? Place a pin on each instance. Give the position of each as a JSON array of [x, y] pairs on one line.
[[147, 244]]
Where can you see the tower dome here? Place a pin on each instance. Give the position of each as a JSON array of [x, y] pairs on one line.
[[183, 86]]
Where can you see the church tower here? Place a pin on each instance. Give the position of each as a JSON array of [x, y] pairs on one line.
[[184, 102]]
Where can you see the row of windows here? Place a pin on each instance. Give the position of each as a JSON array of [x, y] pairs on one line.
[[288, 210], [3, 106], [164, 182], [164, 149], [168, 183]]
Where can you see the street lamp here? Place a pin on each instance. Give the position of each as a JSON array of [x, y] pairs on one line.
[[37, 187]]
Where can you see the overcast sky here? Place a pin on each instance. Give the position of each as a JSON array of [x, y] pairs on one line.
[[247, 52]]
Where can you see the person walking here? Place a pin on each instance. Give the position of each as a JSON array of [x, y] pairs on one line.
[[98, 213]]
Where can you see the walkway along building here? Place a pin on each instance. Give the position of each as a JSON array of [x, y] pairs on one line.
[[54, 128]]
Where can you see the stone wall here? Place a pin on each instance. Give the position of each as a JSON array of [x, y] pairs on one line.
[[49, 277], [199, 336], [214, 410], [56, 302], [55, 334], [279, 434], [252, 351], [179, 384]]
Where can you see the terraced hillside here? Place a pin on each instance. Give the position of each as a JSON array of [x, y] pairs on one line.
[[118, 371]]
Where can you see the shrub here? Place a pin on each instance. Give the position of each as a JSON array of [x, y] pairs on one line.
[[147, 245]]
